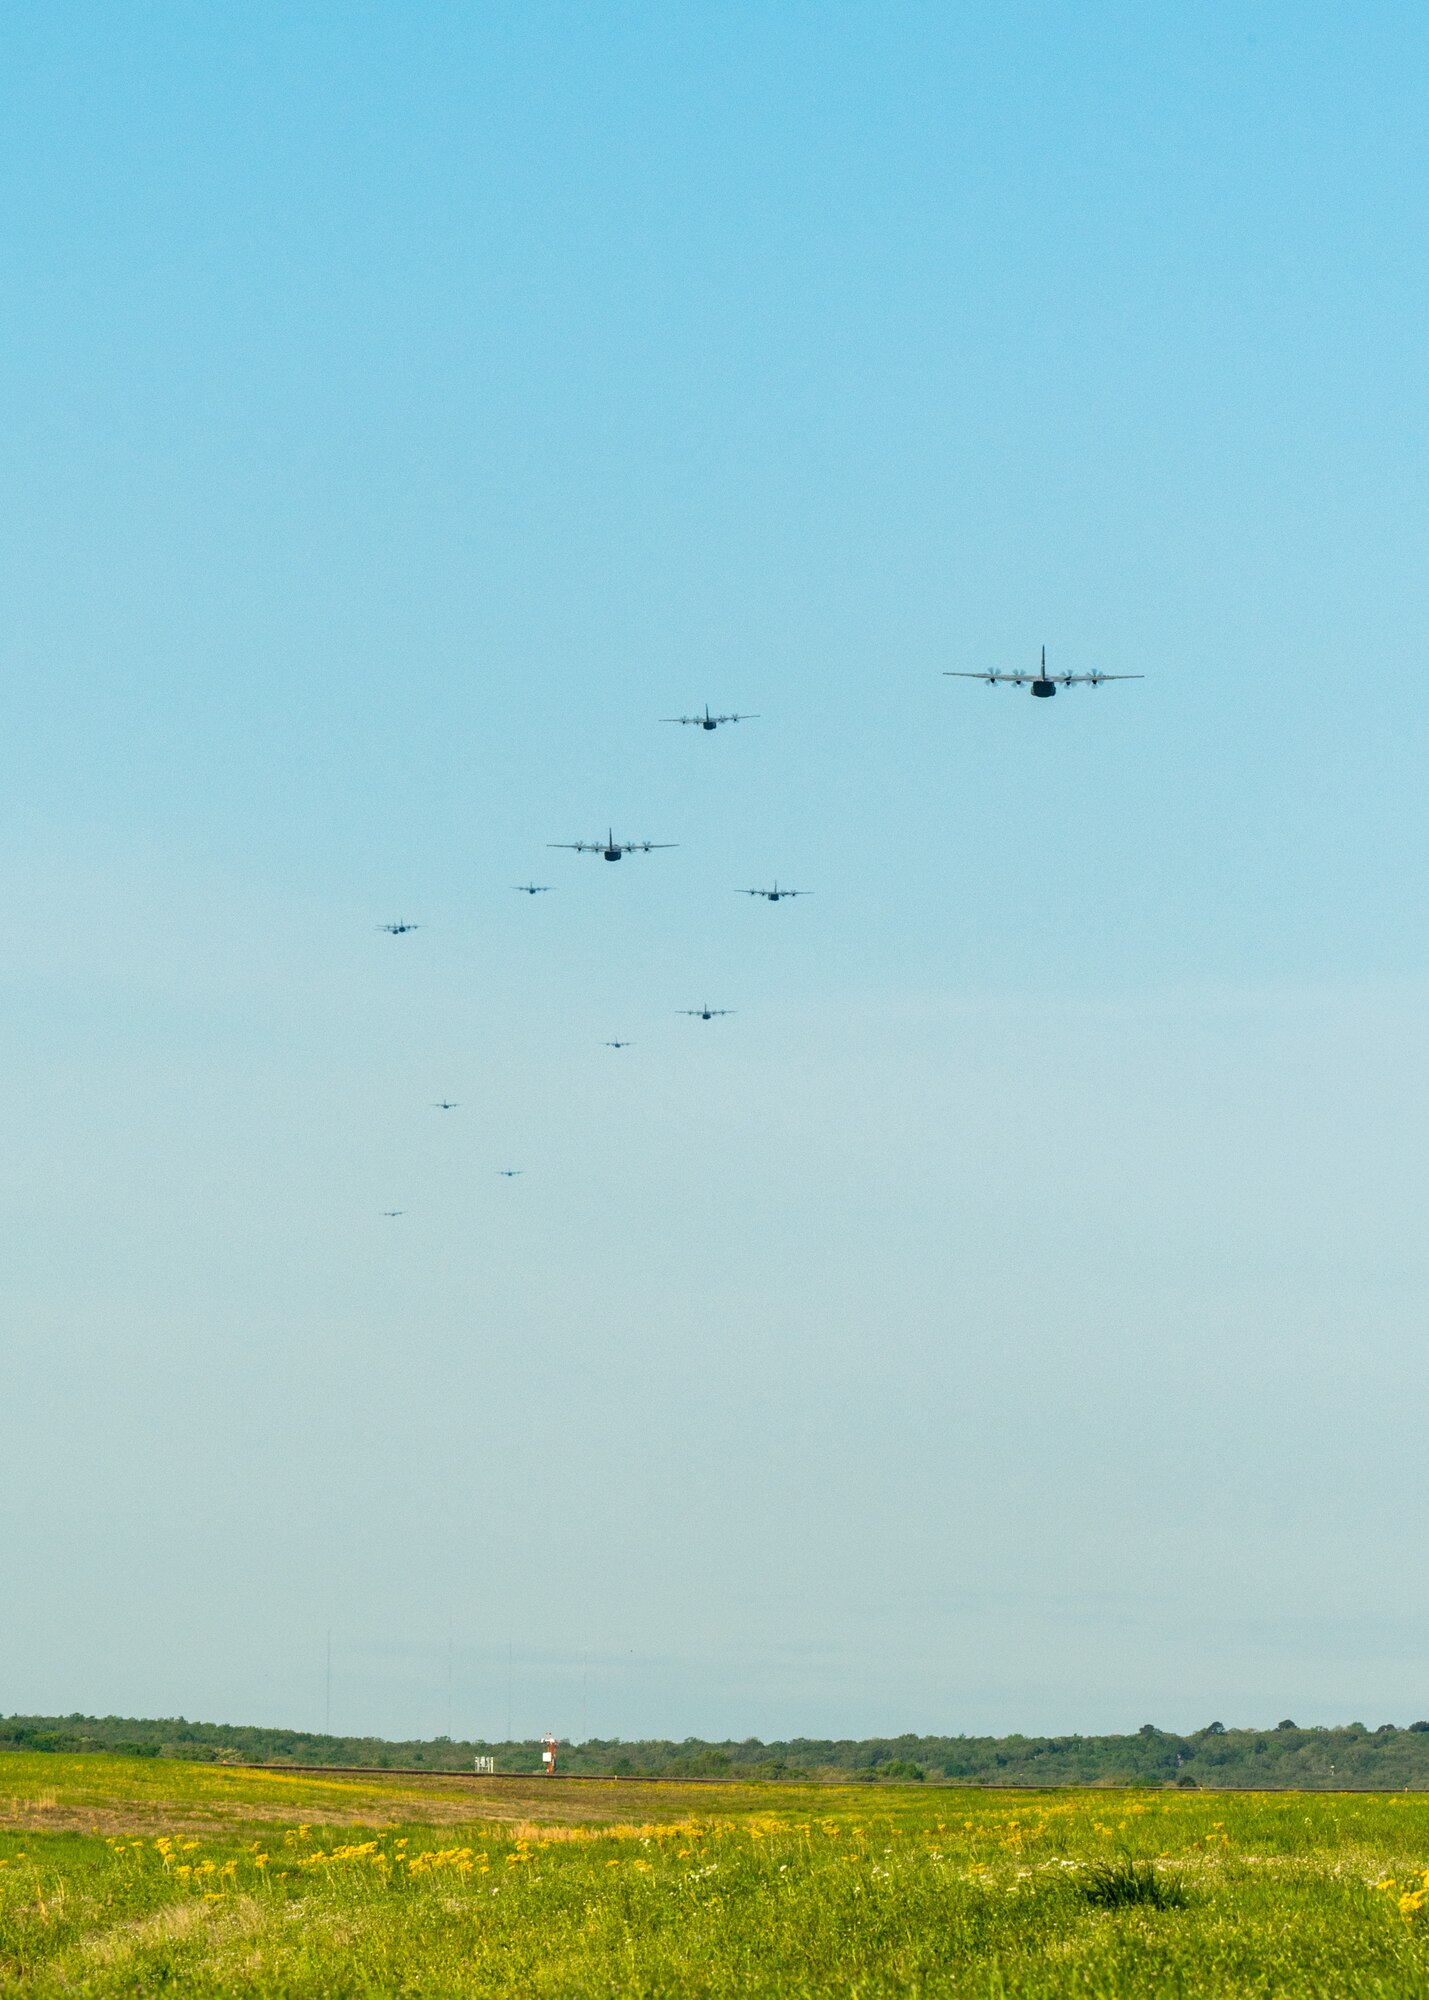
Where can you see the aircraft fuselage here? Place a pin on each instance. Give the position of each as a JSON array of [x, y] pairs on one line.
[[612, 853], [1044, 690]]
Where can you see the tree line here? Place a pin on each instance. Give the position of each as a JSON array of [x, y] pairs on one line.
[[1326, 1759]]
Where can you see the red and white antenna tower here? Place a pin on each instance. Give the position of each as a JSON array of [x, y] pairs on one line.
[[548, 1754]]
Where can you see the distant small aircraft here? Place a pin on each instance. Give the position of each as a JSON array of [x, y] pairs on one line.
[[510, 1173], [707, 721], [620, 1045], [447, 1104], [390, 1212], [396, 930], [531, 888], [1043, 684], [610, 848], [774, 895], [706, 1013]]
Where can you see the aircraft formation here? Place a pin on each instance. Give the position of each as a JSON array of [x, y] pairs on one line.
[[1043, 685]]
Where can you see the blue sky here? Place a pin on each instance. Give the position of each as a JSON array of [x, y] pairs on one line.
[[1012, 1315]]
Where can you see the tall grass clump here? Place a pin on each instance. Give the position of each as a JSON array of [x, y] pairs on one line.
[[1121, 1882]]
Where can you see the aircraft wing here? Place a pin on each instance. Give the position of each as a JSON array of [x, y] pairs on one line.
[[1070, 680], [994, 679], [648, 846], [577, 846]]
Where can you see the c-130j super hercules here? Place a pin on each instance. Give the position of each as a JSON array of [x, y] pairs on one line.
[[1043, 684], [610, 848]]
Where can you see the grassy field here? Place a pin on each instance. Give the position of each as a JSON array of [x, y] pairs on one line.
[[122, 1876]]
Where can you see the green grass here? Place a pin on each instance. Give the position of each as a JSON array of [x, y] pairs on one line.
[[1122, 1881], [200, 1880]]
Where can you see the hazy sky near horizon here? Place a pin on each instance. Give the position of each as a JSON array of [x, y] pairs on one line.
[[1012, 1316]]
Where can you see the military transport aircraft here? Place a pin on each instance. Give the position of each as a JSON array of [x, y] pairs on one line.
[[620, 1045], [447, 1104], [611, 848], [532, 888], [396, 930], [510, 1173], [774, 895], [707, 721], [1043, 684], [390, 1212], [705, 1013]]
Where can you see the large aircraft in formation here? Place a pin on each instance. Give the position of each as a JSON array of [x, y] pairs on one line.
[[1042, 683], [707, 721], [610, 848]]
